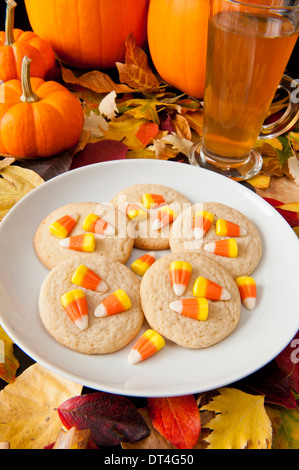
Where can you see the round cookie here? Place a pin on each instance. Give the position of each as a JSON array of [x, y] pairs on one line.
[[118, 246], [157, 293], [103, 335], [145, 237], [249, 246]]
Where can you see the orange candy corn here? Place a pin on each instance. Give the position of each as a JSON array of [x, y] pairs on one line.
[[180, 273], [83, 242], [165, 216], [202, 222], [227, 248], [247, 289], [62, 227], [229, 229], [135, 212], [151, 201], [147, 345], [193, 307], [94, 223], [117, 302], [142, 264], [85, 277], [75, 305], [209, 290]]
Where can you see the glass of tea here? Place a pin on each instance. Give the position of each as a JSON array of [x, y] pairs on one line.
[[249, 46]]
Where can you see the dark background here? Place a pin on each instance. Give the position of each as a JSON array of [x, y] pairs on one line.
[[22, 22]]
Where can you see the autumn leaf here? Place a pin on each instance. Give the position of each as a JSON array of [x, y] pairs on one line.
[[14, 184], [72, 439], [8, 363], [240, 421], [177, 419], [124, 129], [147, 132], [102, 151], [28, 408], [259, 181], [110, 418], [288, 362], [285, 424]]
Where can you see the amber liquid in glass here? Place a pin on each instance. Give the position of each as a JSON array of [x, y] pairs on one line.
[[247, 55]]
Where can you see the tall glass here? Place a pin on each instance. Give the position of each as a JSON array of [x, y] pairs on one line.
[[249, 45]]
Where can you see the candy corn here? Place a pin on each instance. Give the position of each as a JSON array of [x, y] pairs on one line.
[[75, 305], [85, 277], [193, 307], [117, 302], [94, 223], [202, 222], [147, 345], [135, 212], [62, 227], [165, 216], [83, 242], [227, 248], [210, 290], [180, 273], [151, 201], [142, 264], [247, 289], [229, 229]]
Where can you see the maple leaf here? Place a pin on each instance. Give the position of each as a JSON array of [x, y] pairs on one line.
[[177, 419], [28, 407], [240, 421], [8, 363], [14, 184]]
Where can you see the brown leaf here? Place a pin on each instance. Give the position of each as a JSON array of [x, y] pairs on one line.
[[95, 80], [72, 439]]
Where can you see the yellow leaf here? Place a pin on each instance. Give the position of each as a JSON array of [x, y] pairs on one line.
[[124, 129], [285, 427], [293, 207], [8, 363], [260, 181], [240, 422], [296, 230], [28, 408], [14, 184]]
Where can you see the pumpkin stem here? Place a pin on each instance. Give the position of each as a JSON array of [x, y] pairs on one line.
[[9, 22], [28, 95]]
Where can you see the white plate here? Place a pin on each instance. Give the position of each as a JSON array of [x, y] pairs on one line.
[[261, 334]]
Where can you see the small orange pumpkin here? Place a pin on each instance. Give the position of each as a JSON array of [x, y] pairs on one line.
[[89, 34], [38, 118], [15, 44], [177, 38]]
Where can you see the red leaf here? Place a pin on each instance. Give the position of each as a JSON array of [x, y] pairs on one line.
[[288, 362], [110, 418], [102, 151], [177, 419], [291, 217]]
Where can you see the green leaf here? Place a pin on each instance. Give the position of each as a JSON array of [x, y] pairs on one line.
[[286, 152]]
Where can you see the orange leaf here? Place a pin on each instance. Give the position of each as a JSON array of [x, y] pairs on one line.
[[146, 132], [177, 419], [8, 363]]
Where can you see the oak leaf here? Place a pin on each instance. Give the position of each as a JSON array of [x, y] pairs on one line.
[[240, 422], [15, 182], [177, 419], [8, 363], [28, 407]]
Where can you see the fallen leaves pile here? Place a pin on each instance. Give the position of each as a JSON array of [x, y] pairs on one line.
[[141, 117]]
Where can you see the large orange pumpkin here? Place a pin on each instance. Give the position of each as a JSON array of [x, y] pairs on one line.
[[177, 38], [89, 34]]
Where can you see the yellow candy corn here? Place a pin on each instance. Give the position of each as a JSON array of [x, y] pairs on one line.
[[247, 289], [85, 277], [166, 215], [62, 227], [117, 302], [83, 242], [226, 228], [151, 201], [142, 264], [94, 223], [210, 290], [180, 273], [227, 248], [193, 307], [75, 305], [147, 345], [202, 223], [135, 212]]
